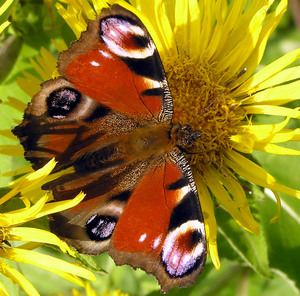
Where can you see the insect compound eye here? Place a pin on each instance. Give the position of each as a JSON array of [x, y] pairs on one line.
[[62, 101]]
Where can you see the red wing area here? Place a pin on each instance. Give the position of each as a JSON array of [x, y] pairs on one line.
[[116, 63], [161, 229], [103, 76], [89, 226]]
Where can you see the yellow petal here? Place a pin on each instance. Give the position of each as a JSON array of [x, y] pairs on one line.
[[73, 21], [89, 290], [251, 28], [268, 27], [17, 278], [30, 85], [278, 201], [243, 143], [239, 198], [16, 104], [7, 134], [286, 190], [268, 72], [30, 246], [248, 169], [39, 209], [275, 149], [23, 170], [283, 76], [209, 219], [238, 208], [12, 150], [30, 180], [255, 174], [46, 262], [20, 216], [286, 135], [3, 26], [54, 207], [277, 95], [165, 37], [37, 235], [207, 9], [264, 134], [273, 110], [60, 46], [259, 131], [47, 61], [181, 23], [88, 10], [194, 32], [3, 290], [99, 4], [4, 7], [40, 69]]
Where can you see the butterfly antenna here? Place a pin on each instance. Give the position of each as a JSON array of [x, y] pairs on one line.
[[223, 91]]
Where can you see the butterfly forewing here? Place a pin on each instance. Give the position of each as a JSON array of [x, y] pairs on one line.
[[117, 64], [109, 116]]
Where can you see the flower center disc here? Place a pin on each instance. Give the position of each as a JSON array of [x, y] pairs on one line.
[[194, 86]]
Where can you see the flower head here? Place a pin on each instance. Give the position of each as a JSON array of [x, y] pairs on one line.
[[209, 52]]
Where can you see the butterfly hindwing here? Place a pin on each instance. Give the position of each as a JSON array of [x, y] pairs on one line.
[[162, 229], [89, 225]]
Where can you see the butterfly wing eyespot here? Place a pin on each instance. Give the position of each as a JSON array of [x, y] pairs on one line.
[[179, 260], [62, 101], [56, 121], [109, 116], [126, 38], [100, 228]]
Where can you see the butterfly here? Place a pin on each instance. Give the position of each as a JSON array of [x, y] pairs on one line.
[[109, 116]]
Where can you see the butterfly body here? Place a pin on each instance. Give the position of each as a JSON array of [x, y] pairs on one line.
[[109, 116]]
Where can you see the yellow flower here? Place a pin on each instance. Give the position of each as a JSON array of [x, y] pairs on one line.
[[205, 47], [35, 205]]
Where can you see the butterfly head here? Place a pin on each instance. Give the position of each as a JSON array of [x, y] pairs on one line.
[[184, 135]]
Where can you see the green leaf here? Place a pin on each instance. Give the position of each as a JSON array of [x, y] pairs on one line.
[[283, 239], [240, 245], [88, 262], [8, 54], [283, 236]]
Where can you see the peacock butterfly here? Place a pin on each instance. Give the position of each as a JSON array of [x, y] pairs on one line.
[[109, 116]]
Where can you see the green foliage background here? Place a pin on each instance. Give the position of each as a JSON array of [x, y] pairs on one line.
[[251, 265]]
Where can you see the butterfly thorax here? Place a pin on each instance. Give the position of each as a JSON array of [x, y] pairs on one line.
[[148, 141], [183, 135], [155, 140]]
